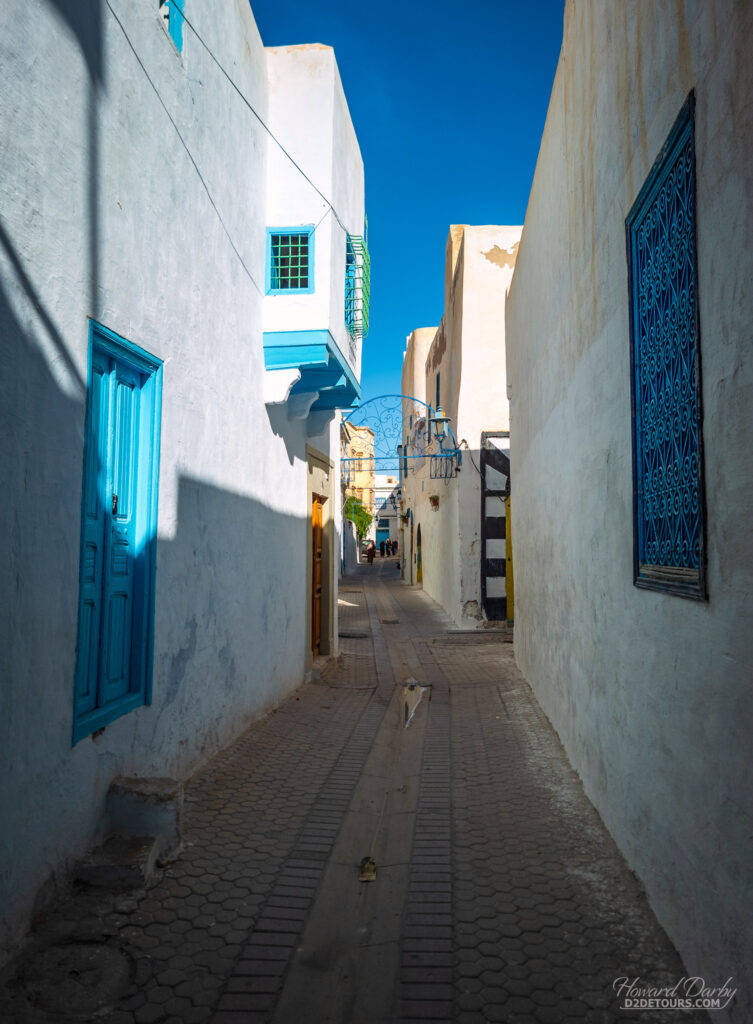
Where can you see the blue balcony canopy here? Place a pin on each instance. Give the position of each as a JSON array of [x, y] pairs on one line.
[[323, 367]]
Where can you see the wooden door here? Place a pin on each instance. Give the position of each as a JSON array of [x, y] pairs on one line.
[[410, 563], [316, 573], [108, 594]]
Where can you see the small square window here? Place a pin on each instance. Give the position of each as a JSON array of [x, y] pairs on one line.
[[290, 260]]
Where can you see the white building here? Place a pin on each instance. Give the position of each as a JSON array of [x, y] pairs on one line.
[[386, 506], [631, 427], [454, 527], [175, 294]]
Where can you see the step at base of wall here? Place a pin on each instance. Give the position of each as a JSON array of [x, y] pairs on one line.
[[147, 807], [121, 862]]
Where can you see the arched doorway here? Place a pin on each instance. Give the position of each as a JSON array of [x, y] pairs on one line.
[[419, 566]]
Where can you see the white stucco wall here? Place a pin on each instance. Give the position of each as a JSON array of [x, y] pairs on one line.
[[103, 214], [650, 693], [309, 116]]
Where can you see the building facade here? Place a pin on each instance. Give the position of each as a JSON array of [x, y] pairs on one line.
[[386, 504], [180, 322], [357, 447], [454, 513], [628, 341]]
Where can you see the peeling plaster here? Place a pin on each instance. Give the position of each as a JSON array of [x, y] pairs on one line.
[[502, 257]]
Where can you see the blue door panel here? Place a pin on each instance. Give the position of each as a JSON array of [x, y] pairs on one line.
[[119, 515], [119, 551], [95, 482]]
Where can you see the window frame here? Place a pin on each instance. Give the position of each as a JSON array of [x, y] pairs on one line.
[[174, 20], [688, 582], [299, 229], [351, 292]]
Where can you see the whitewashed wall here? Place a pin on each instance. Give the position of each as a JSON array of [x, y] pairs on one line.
[[311, 120], [103, 214], [651, 694]]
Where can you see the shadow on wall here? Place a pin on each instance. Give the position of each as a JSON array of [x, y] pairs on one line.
[[230, 618], [85, 21], [230, 622], [41, 442], [291, 431]]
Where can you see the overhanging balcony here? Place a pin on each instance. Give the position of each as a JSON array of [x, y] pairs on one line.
[[314, 376]]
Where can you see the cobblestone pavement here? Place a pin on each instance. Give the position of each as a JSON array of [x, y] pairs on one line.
[[499, 894]]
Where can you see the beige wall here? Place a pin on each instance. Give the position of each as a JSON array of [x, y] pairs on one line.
[[467, 350], [650, 693], [413, 383]]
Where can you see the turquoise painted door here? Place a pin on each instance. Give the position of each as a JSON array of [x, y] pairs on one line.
[[119, 551], [115, 639], [92, 554], [106, 615]]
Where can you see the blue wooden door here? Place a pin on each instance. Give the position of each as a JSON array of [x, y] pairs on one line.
[[118, 583], [110, 505], [93, 541]]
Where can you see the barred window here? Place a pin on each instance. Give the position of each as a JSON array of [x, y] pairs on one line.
[[357, 286], [665, 377], [290, 260]]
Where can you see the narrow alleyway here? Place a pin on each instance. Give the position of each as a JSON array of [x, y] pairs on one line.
[[499, 896]]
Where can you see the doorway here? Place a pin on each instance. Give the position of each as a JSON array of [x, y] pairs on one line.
[[496, 552], [419, 564], [317, 537], [118, 532]]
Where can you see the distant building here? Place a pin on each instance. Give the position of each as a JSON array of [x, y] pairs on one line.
[[386, 498], [453, 530], [182, 313], [629, 361], [357, 446]]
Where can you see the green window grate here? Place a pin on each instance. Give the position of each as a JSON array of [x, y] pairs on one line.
[[289, 261], [357, 285]]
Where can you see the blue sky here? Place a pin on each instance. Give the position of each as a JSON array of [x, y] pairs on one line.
[[448, 102]]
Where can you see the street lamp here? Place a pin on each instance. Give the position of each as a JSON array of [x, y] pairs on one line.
[[440, 423]]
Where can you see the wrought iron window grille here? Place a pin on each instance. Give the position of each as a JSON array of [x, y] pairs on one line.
[[357, 286], [668, 494], [290, 261]]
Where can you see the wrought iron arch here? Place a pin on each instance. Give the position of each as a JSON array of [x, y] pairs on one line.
[[406, 432]]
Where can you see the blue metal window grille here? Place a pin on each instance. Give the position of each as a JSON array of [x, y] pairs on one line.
[[357, 286], [665, 372], [290, 262], [172, 12]]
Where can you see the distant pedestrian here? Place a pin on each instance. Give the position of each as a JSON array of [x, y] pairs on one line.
[[381, 549], [370, 552]]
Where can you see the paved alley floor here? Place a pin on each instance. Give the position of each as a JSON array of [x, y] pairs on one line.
[[499, 895]]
